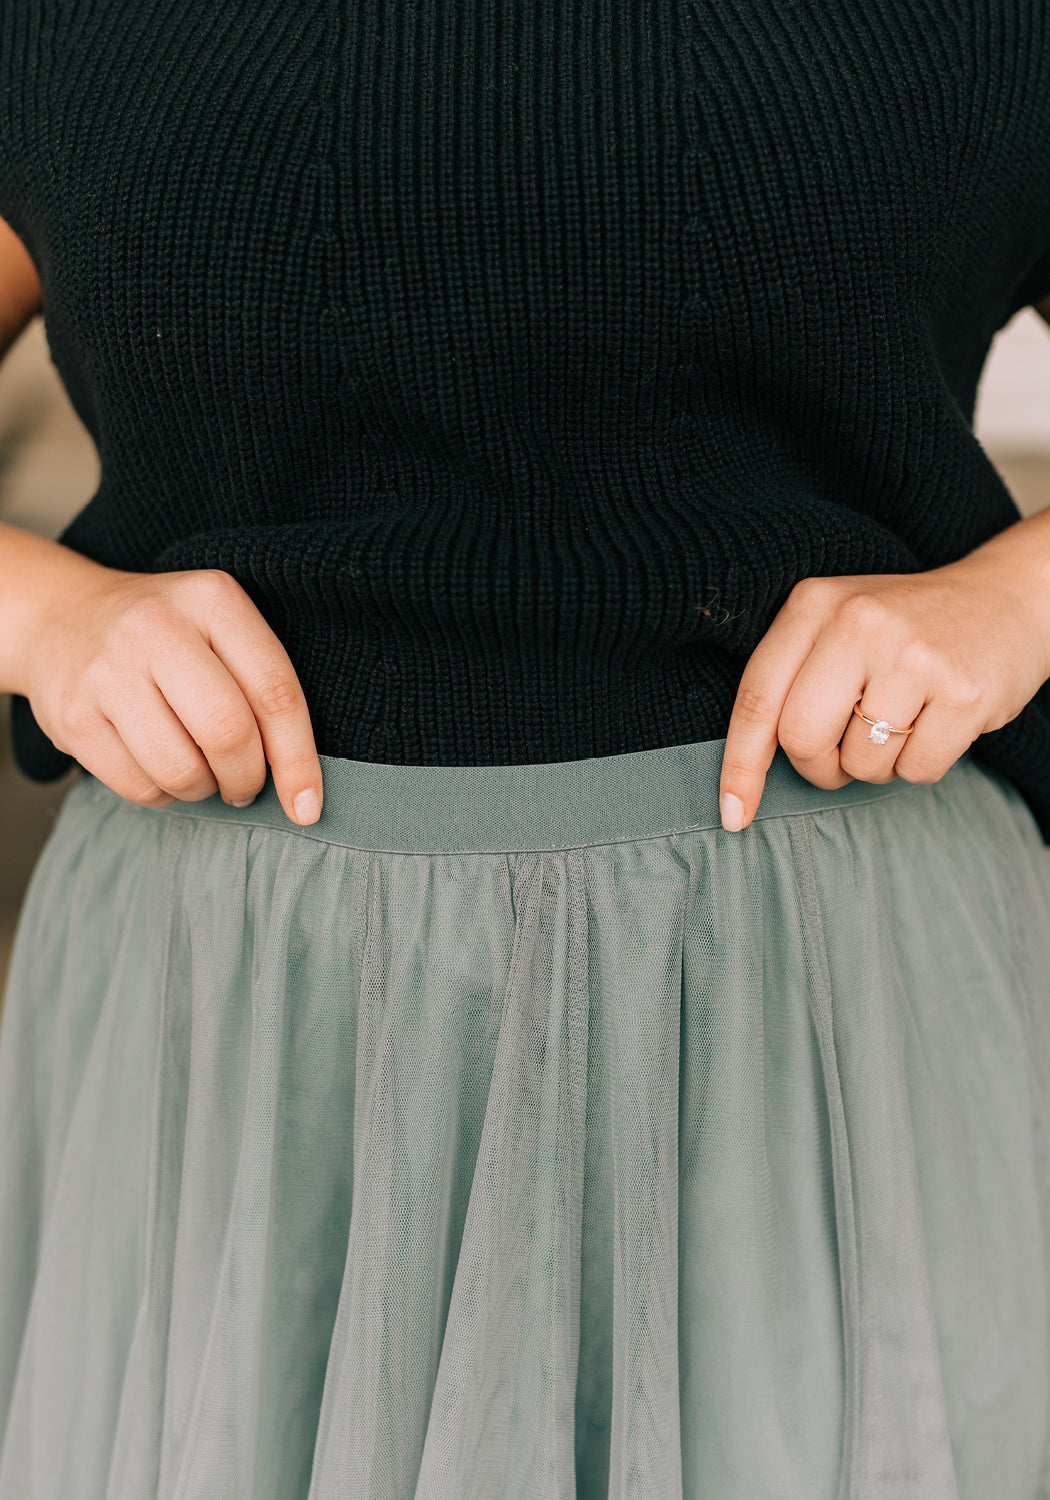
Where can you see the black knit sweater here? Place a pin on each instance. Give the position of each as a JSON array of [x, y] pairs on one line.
[[518, 356]]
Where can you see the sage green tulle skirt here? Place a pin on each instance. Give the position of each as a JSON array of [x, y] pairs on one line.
[[516, 1132]]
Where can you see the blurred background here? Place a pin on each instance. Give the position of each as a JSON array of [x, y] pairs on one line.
[[49, 468]]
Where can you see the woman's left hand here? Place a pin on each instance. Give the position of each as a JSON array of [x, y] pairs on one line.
[[956, 651]]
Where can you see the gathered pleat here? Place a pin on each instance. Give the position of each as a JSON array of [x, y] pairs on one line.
[[693, 1166]]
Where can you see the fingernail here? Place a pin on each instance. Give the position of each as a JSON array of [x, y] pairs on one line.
[[243, 804], [732, 810], [307, 806]]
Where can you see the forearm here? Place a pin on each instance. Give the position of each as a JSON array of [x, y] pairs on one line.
[[1017, 560], [20, 294], [1020, 555], [36, 576]]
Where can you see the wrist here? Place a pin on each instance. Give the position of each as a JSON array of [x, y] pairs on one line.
[[1014, 566], [40, 581]]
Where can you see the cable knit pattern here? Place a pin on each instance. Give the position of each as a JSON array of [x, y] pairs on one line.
[[517, 358]]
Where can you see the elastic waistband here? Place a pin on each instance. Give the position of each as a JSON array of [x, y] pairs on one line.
[[510, 809]]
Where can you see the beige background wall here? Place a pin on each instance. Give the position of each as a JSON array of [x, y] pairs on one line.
[[48, 469]]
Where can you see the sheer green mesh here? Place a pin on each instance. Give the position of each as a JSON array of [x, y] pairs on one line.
[[660, 1162]]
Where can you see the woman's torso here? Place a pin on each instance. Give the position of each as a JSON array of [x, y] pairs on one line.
[[519, 358]]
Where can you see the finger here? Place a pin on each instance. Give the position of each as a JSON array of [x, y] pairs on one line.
[[259, 664], [818, 709], [162, 744], [942, 733], [893, 702], [218, 719], [751, 739], [104, 754]]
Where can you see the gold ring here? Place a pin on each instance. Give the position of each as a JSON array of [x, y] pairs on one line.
[[880, 730]]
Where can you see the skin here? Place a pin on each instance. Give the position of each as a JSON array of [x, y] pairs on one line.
[[172, 685], [956, 651], [20, 295], [163, 685]]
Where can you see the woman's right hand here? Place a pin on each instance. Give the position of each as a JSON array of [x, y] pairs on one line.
[[163, 685], [171, 686]]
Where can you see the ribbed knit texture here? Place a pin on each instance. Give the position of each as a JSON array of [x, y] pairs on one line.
[[518, 358]]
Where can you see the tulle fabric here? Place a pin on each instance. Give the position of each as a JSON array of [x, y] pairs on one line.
[[687, 1165]]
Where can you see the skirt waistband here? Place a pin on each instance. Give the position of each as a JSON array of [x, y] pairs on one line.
[[513, 808]]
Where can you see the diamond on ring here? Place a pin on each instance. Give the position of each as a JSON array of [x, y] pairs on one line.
[[879, 732]]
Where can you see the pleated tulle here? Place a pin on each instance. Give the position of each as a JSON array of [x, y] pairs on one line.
[[701, 1165]]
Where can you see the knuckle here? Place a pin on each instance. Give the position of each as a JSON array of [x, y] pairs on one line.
[[97, 675], [864, 613], [75, 723], [918, 659], [920, 772], [754, 705], [156, 798], [146, 793], [851, 765], [69, 742], [57, 737], [736, 774], [798, 744], [960, 696], [229, 732], [181, 777], [212, 583], [830, 777], [860, 769], [811, 593], [247, 793], [280, 695]]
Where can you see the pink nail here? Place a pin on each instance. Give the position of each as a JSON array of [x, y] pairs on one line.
[[732, 810], [307, 806]]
